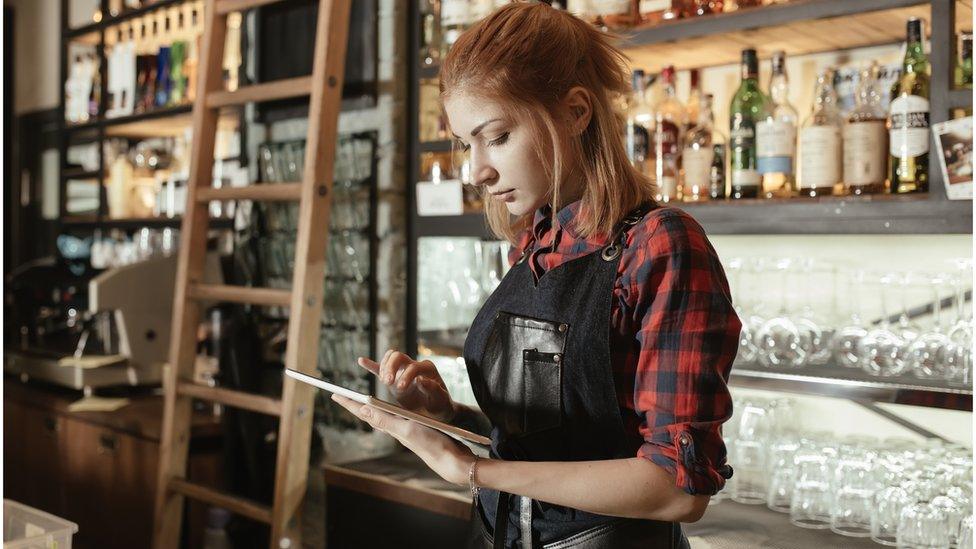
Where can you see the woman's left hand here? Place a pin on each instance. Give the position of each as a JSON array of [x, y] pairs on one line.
[[441, 453]]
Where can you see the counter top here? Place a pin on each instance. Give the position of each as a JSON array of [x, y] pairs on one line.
[[142, 417]]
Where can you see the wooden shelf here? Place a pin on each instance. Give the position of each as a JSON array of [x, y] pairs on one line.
[[163, 122], [799, 27], [93, 222], [112, 21]]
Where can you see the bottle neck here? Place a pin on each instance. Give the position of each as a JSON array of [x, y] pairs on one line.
[[915, 60], [779, 88]]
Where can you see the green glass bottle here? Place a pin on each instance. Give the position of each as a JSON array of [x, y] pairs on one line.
[[747, 108], [908, 119], [964, 66]]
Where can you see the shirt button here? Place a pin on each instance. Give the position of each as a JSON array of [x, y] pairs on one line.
[[557, 358], [563, 327], [683, 440]]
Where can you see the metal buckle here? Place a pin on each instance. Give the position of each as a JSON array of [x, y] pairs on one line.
[[525, 253], [632, 219], [611, 252]]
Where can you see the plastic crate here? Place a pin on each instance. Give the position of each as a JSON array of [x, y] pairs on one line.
[[28, 528]]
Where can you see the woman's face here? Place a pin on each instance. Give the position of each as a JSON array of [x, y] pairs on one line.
[[502, 156]]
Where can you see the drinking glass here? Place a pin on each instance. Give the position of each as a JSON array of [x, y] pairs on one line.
[[778, 339], [880, 348], [959, 353], [886, 513], [854, 488], [954, 512], [749, 480], [928, 352], [779, 491], [814, 332], [748, 352], [923, 525], [965, 539], [847, 339], [811, 503]]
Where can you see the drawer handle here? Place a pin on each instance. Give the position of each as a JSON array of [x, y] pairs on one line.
[[107, 443]]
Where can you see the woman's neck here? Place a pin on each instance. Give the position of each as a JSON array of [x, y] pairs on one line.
[[569, 192]]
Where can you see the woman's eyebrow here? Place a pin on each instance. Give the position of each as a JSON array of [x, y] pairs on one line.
[[477, 130]]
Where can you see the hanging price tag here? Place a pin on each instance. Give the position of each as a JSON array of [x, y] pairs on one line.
[[440, 198]]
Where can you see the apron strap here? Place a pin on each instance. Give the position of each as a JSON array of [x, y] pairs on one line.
[[501, 521], [616, 246]]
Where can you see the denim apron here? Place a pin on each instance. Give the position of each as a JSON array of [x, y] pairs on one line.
[[538, 357]]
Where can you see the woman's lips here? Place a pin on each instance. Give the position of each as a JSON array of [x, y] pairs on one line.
[[505, 196]]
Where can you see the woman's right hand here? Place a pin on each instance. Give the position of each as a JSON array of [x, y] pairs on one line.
[[418, 386]]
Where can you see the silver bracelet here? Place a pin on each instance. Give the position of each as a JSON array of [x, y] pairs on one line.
[[471, 472]]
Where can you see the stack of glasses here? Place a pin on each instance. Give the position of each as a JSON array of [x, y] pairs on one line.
[[897, 491], [887, 343]]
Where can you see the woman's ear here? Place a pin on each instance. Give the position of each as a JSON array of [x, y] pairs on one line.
[[578, 107]]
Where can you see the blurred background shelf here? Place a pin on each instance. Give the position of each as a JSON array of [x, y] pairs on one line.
[[799, 28], [113, 21], [93, 222]]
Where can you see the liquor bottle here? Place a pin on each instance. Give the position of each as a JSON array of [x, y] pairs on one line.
[[745, 110], [908, 119], [866, 138], [640, 124], [703, 158], [776, 136], [455, 15], [820, 157], [652, 12], [964, 67], [694, 99], [669, 120], [612, 14]]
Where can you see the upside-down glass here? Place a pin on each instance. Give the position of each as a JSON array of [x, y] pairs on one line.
[[778, 339], [965, 533], [928, 352], [855, 483], [923, 525], [748, 352], [888, 503], [815, 332], [847, 338], [811, 503], [880, 348], [779, 489]]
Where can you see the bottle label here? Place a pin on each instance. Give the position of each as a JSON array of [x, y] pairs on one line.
[[610, 7], [820, 156], [865, 161], [654, 6], [909, 132], [637, 142], [666, 138], [698, 166], [742, 147], [775, 146]]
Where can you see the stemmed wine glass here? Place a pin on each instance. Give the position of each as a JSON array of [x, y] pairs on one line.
[[928, 352], [748, 352], [814, 336], [778, 339], [846, 340], [960, 351], [880, 348]]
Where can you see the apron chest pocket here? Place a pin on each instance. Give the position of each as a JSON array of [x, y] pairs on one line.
[[542, 374]]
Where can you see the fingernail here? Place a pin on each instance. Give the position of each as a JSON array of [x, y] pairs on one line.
[[389, 379], [365, 412], [401, 385]]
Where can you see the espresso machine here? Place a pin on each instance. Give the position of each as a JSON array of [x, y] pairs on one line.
[[103, 329]]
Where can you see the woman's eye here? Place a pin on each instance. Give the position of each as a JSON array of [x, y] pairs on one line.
[[500, 140]]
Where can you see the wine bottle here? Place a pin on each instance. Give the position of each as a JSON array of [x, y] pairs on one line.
[[747, 107], [669, 120], [703, 158], [640, 125], [820, 157], [694, 99], [776, 135], [908, 119], [865, 138], [964, 68]]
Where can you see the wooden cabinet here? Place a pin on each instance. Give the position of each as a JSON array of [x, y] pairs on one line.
[[97, 469]]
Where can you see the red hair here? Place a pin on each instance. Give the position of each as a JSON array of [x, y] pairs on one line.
[[527, 56]]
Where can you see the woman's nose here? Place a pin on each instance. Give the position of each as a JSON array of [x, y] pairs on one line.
[[482, 173]]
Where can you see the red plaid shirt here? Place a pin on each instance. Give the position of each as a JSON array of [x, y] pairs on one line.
[[673, 336]]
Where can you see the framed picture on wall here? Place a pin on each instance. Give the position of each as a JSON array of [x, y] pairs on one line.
[[954, 143]]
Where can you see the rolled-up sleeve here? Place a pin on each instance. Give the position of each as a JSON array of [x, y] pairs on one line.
[[688, 335]]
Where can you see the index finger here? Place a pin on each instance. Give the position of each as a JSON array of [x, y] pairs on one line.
[[369, 364]]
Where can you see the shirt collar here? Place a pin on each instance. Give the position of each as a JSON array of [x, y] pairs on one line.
[[565, 219]]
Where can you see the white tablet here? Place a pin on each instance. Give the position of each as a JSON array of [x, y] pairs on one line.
[[450, 430]]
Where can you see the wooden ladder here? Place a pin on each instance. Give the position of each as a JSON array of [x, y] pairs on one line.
[[294, 408]]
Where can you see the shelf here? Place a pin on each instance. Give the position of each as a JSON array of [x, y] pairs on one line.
[[154, 115], [429, 71], [436, 146], [112, 21], [854, 385], [82, 174], [883, 214], [472, 225], [798, 28], [92, 222], [164, 122], [960, 99]]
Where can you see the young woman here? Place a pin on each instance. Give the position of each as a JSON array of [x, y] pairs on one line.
[[600, 362]]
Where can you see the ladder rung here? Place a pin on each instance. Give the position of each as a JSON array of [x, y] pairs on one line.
[[264, 192], [236, 504], [241, 294], [229, 397], [267, 91], [229, 6]]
